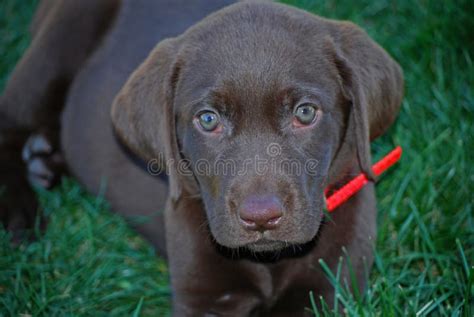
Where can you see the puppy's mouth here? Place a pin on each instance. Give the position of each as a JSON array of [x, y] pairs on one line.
[[265, 242], [267, 251], [265, 245]]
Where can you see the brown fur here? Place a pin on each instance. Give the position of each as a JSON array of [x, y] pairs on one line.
[[249, 61]]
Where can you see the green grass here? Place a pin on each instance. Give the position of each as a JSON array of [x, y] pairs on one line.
[[90, 263]]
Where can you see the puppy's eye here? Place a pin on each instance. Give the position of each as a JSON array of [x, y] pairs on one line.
[[209, 121], [305, 114]]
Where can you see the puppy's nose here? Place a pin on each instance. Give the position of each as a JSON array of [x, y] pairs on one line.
[[261, 212]]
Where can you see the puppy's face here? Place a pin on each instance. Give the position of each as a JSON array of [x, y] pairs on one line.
[[259, 117], [265, 103]]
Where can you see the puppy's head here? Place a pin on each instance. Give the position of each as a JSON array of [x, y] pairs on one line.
[[258, 108]]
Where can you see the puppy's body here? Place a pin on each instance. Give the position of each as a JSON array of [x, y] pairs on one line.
[[361, 87]]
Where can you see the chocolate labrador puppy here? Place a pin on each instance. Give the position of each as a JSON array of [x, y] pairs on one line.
[[249, 115]]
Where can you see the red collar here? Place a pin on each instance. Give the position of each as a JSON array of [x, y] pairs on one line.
[[341, 195]]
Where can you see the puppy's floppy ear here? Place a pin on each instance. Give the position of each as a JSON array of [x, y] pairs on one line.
[[373, 83], [142, 112]]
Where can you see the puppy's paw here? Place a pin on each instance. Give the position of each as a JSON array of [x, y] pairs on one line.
[[19, 208], [18, 201], [45, 163]]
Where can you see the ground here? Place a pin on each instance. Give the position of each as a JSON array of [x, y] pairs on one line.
[[89, 263]]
